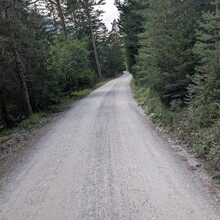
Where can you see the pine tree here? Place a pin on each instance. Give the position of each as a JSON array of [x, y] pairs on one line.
[[165, 59], [10, 8], [23, 44], [204, 93], [131, 25], [111, 52]]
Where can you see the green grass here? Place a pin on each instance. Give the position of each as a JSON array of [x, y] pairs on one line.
[[152, 105], [44, 116], [81, 94], [35, 119], [68, 101], [7, 132]]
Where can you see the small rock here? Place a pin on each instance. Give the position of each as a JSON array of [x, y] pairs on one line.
[[198, 165]]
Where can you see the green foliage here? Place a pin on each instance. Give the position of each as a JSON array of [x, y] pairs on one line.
[[31, 37], [152, 105], [112, 53], [177, 70], [165, 60], [86, 79], [130, 23], [204, 92], [54, 67], [81, 94], [6, 132], [33, 120], [69, 65], [87, 24]]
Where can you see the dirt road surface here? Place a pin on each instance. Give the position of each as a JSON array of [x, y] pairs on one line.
[[103, 161]]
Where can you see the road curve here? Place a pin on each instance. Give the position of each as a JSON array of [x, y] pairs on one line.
[[103, 161]]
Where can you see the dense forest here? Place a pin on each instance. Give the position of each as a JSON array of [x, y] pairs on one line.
[[49, 49], [173, 50]]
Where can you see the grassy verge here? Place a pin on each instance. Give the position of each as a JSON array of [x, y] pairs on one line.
[[202, 142], [41, 118]]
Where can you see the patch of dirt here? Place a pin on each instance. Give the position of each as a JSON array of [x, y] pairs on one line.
[[17, 146]]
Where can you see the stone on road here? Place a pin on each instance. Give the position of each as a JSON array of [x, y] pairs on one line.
[[102, 161]]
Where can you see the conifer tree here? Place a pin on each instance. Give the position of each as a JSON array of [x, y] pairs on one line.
[[131, 25], [111, 52], [165, 59], [10, 16], [204, 93]]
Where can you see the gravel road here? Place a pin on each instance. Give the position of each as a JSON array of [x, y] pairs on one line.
[[102, 161]]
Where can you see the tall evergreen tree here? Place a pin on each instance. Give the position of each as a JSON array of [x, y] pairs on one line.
[[111, 52], [11, 8], [24, 46], [131, 25], [204, 93], [165, 59]]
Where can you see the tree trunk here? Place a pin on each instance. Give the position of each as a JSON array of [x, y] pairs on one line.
[[19, 64], [94, 47], [86, 7], [61, 16], [3, 109]]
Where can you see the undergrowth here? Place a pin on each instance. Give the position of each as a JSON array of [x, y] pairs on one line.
[[39, 118], [202, 141]]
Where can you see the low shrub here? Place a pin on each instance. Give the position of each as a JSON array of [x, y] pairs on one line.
[[191, 126]]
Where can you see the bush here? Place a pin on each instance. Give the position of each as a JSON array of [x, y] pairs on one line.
[[86, 79], [68, 64]]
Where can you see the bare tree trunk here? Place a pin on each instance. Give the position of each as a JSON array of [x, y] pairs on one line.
[[3, 109], [94, 46], [61, 16], [19, 64]]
